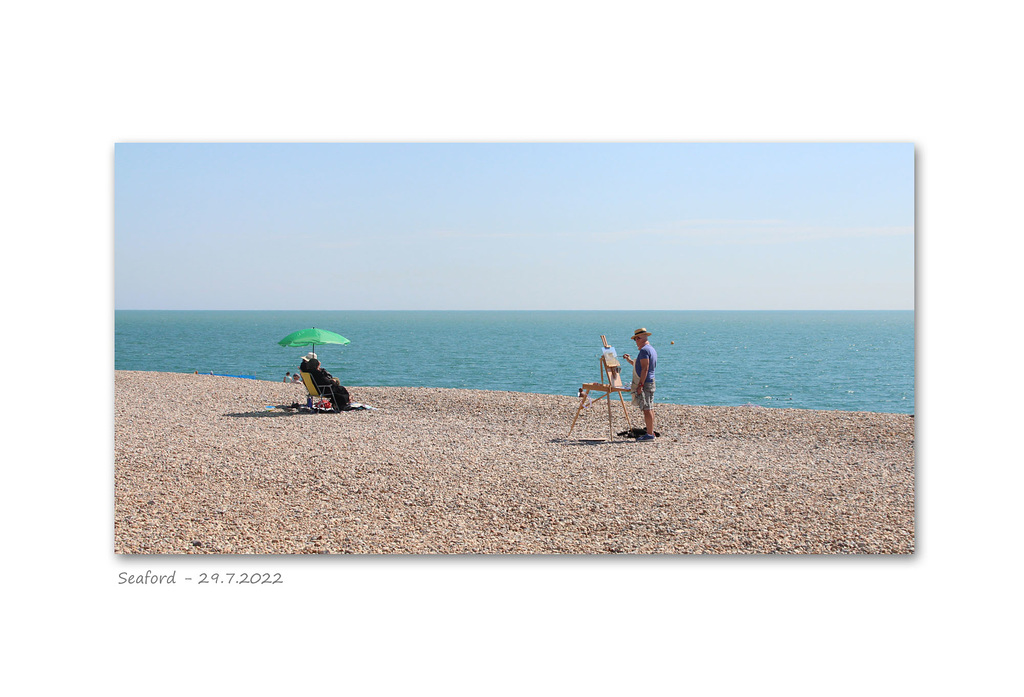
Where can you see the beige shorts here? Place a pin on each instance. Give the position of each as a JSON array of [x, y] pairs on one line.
[[645, 399]]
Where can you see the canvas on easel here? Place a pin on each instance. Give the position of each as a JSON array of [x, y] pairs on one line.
[[611, 383]]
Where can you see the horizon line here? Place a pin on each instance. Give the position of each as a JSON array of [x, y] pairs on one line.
[[193, 309]]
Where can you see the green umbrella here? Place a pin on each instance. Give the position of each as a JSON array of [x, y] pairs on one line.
[[312, 337]]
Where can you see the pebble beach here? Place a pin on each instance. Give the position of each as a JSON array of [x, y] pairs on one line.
[[217, 465]]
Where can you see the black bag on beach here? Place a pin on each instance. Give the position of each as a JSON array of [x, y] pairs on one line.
[[340, 398], [637, 432]]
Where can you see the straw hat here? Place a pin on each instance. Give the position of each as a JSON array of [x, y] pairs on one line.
[[309, 356], [642, 331]]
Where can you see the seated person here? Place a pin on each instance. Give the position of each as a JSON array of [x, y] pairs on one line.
[[304, 366], [322, 379]]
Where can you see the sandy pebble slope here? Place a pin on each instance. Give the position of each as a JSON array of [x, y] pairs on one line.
[[200, 466]]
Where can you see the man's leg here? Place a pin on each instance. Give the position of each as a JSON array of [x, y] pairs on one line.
[[649, 420]]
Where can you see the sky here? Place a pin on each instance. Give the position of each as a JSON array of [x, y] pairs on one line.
[[514, 226]]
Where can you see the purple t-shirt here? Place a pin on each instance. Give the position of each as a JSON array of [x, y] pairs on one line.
[[651, 355]]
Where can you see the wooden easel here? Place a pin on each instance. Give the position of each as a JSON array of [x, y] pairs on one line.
[[611, 383]]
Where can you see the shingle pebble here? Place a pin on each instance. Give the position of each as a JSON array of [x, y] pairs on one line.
[[201, 466]]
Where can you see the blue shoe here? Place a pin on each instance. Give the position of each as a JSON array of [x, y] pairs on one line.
[[646, 436]]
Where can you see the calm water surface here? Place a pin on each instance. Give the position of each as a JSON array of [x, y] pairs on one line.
[[852, 361]]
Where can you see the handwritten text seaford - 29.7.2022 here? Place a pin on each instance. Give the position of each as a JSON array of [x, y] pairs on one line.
[[149, 578]]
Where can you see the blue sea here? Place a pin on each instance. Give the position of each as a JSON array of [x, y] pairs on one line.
[[850, 361]]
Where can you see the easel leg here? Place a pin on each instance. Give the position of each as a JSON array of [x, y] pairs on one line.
[[611, 431], [579, 409], [625, 411]]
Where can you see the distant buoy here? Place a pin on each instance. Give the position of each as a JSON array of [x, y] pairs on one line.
[[671, 342]]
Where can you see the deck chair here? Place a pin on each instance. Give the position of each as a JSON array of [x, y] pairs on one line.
[[317, 395]]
